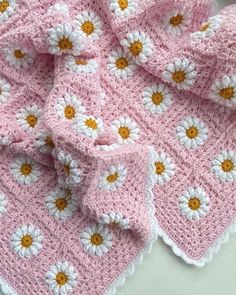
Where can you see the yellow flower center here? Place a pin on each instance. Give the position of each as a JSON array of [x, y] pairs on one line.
[[96, 239], [157, 98], [4, 5], [49, 142], [90, 123], [81, 62], [192, 132], [123, 4], [124, 132], [176, 20], [204, 27], [194, 203], [121, 63], [69, 112], [26, 241], [26, 169], [88, 27], [19, 54], [65, 44], [112, 177], [61, 278], [227, 93], [32, 120], [227, 165], [61, 203], [160, 168], [66, 169], [136, 48], [179, 76]]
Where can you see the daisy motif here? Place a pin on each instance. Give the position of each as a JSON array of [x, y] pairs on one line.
[[81, 65], [115, 219], [7, 8], [61, 8], [3, 204], [164, 169], [29, 117], [138, 45], [96, 239], [127, 129], [181, 74], [69, 107], [71, 174], [121, 64], [5, 140], [157, 98], [19, 57], [194, 203], [224, 166], [89, 24], [60, 204], [44, 142], [64, 39], [113, 178], [25, 170], [192, 133], [177, 21], [5, 88], [123, 8], [61, 278], [223, 91], [26, 241], [209, 28], [89, 126]]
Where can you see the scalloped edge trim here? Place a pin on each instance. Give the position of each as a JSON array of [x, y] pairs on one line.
[[119, 282], [211, 251], [5, 288]]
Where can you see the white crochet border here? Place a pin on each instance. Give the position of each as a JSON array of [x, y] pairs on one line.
[[147, 249]]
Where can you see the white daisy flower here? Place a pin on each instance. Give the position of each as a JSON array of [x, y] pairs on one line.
[[29, 117], [138, 45], [81, 65], [123, 8], [89, 24], [61, 8], [26, 241], [164, 169], [223, 91], [5, 88], [5, 140], [115, 219], [3, 204], [181, 74], [19, 57], [60, 204], [64, 39], [121, 64], [7, 8], [194, 203], [177, 21], [71, 174], [69, 107], [208, 28], [89, 126], [44, 142], [61, 278], [157, 98], [96, 239], [224, 166], [113, 178], [192, 133], [25, 170], [127, 129]]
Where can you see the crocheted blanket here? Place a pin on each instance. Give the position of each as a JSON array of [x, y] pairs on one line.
[[117, 125]]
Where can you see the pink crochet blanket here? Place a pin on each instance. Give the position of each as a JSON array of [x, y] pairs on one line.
[[117, 126]]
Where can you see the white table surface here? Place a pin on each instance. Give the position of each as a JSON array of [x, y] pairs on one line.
[[162, 273]]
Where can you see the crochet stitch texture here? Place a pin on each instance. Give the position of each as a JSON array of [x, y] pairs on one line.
[[117, 125]]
